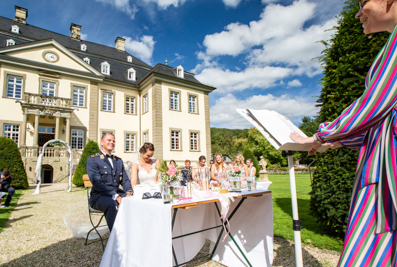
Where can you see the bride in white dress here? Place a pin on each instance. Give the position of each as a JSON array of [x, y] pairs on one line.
[[144, 170]]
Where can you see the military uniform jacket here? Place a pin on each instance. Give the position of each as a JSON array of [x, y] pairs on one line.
[[106, 180]]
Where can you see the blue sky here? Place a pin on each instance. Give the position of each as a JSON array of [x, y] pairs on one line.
[[258, 53]]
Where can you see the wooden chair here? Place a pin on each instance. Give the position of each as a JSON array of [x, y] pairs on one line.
[[92, 211]]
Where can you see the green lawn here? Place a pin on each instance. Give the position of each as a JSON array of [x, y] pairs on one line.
[[6, 212], [313, 233]]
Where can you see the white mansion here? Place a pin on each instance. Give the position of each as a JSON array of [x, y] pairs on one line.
[[61, 87]]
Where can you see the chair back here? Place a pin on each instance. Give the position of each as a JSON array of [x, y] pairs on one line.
[[87, 182]]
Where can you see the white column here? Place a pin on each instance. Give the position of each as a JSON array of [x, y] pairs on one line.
[[23, 130], [67, 130], [57, 127], [36, 130]]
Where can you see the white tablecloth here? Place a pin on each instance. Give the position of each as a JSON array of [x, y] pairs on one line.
[[141, 235]]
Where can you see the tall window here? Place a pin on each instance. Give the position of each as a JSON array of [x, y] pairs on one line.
[[14, 86], [78, 96], [105, 132], [194, 141], [175, 140], [131, 74], [129, 142], [145, 103], [107, 102], [192, 104], [130, 105], [145, 137], [11, 131], [47, 88], [77, 139], [174, 98]]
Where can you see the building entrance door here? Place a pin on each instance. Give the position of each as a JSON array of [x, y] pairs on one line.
[[47, 174], [44, 138]]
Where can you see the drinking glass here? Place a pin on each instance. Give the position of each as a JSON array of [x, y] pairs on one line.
[[166, 193]]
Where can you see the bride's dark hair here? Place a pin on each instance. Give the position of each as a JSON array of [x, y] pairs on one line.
[[146, 147]]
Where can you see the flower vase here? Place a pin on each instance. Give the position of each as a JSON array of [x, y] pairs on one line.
[[166, 192]]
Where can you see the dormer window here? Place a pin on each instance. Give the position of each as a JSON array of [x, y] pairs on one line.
[[83, 47], [87, 60], [105, 68], [14, 29], [10, 42], [129, 58], [180, 71], [131, 74]]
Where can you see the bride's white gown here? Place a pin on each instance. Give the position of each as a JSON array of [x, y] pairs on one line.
[[145, 177]]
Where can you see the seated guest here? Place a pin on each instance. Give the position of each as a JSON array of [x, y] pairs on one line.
[[211, 164], [201, 169], [251, 168], [219, 167], [240, 163], [186, 173], [5, 187], [106, 173], [172, 162]]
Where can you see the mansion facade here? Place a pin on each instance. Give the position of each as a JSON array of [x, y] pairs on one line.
[[61, 87]]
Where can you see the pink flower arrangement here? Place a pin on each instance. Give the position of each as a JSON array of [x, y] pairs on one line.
[[236, 169], [171, 170], [230, 166]]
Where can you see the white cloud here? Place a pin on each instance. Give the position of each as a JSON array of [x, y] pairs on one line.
[[83, 36], [229, 81], [122, 5], [141, 48], [166, 3], [178, 57], [231, 3], [269, 1], [294, 83], [223, 113]]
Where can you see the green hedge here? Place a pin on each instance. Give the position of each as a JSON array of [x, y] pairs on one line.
[[90, 148], [10, 159], [347, 58]]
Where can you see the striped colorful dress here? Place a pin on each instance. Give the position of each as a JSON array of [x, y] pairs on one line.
[[369, 124]]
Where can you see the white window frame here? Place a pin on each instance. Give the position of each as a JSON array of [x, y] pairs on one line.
[[180, 72], [87, 60], [10, 42], [192, 104], [105, 68], [174, 100], [14, 29], [130, 105], [14, 85], [130, 141], [76, 136], [145, 137], [46, 130], [175, 140], [194, 136], [12, 132], [145, 103], [107, 101], [131, 74], [80, 96], [83, 47], [129, 59], [48, 89]]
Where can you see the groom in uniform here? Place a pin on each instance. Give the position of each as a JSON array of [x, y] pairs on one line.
[[106, 173]]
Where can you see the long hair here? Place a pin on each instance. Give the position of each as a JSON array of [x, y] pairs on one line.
[[218, 164], [241, 157]]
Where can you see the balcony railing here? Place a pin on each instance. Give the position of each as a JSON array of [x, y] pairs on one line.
[[49, 152], [47, 101]]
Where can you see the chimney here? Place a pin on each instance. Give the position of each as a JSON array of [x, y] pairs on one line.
[[21, 14], [75, 31], [120, 43]]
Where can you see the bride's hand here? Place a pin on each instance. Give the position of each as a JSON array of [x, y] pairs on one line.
[[308, 141]]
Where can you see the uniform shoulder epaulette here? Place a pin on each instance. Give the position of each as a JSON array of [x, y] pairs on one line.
[[117, 157], [95, 155]]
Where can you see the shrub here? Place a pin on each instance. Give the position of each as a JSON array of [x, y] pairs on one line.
[[90, 148], [247, 154], [347, 60], [10, 159]]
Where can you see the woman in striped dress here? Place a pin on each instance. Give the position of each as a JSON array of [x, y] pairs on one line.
[[369, 124]]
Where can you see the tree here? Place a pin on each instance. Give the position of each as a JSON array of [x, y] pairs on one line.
[[90, 148], [247, 154], [347, 58], [10, 159]]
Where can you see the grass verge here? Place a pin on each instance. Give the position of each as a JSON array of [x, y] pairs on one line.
[[6, 212], [313, 233]]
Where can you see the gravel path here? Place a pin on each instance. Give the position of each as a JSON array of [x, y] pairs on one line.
[[36, 235]]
